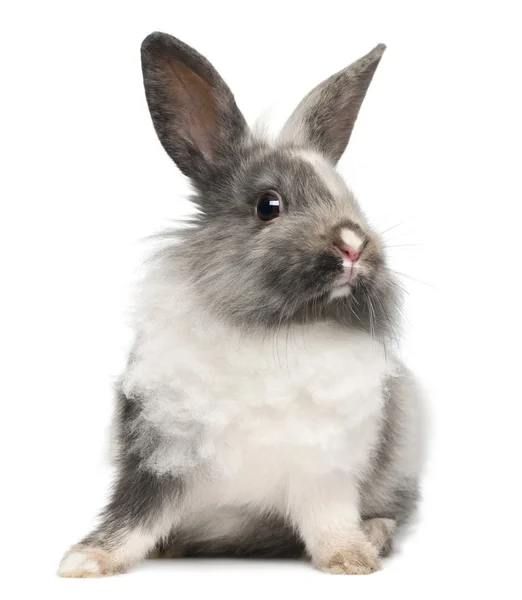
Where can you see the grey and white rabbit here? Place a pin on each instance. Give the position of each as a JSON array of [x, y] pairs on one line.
[[261, 413]]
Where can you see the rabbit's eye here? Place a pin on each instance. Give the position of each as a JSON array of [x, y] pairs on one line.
[[269, 206]]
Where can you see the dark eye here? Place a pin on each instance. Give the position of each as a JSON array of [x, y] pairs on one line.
[[269, 206]]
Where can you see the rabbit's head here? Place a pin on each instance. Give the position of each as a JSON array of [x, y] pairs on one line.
[[279, 238]]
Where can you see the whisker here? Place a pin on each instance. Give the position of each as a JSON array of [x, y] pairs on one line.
[[398, 285], [402, 245], [393, 227], [371, 314], [352, 297], [278, 331], [414, 279], [401, 236]]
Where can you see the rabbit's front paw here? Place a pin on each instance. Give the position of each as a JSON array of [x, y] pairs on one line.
[[357, 558], [86, 561]]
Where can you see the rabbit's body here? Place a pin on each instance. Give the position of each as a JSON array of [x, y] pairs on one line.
[[250, 420], [261, 411], [250, 397]]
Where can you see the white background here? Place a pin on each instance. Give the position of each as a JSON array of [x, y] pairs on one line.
[[436, 152]]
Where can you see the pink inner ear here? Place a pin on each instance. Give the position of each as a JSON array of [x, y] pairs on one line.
[[191, 97], [325, 118]]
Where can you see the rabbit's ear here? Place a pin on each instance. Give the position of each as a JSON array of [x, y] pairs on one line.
[[325, 117], [193, 110]]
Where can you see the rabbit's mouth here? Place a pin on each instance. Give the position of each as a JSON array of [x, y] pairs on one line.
[[350, 272], [344, 284], [353, 275]]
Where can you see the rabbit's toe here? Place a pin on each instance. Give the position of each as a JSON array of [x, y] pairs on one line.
[[85, 561]]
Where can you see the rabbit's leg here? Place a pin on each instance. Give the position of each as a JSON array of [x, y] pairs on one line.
[[380, 532], [143, 508], [325, 512]]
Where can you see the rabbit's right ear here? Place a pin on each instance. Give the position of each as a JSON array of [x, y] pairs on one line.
[[193, 110], [325, 118]]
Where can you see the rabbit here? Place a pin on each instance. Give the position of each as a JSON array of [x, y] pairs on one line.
[[262, 411]]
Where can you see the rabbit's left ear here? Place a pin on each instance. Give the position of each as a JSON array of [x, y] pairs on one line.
[[192, 108], [325, 117]]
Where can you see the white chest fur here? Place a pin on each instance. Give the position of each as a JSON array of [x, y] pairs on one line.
[[306, 398]]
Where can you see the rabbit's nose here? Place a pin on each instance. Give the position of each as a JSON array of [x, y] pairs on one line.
[[350, 252], [350, 241]]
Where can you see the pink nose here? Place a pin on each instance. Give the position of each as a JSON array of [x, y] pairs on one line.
[[350, 252]]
